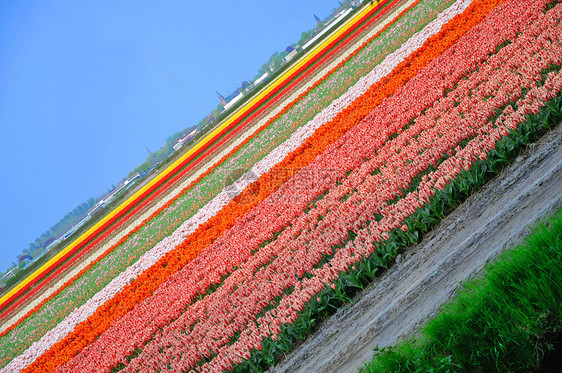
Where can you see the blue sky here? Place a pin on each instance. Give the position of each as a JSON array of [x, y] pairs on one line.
[[80, 98]]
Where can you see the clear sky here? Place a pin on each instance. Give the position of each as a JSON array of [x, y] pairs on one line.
[[80, 98]]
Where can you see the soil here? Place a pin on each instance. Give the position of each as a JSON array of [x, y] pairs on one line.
[[426, 276]]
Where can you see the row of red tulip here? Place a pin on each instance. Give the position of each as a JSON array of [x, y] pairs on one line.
[[337, 193]]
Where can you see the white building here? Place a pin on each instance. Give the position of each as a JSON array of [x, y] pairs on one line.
[[233, 101], [261, 79], [290, 56]]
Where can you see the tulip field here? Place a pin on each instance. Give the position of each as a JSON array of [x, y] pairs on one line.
[[303, 200]]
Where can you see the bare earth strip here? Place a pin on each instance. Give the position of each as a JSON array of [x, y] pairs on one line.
[[427, 275]]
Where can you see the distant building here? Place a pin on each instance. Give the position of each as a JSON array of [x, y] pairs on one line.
[[261, 79], [8, 274], [98, 208], [51, 245], [233, 101], [76, 227], [133, 178], [221, 99], [181, 142], [26, 261], [329, 26], [318, 20], [290, 56], [24, 258], [49, 241], [231, 96], [292, 52]]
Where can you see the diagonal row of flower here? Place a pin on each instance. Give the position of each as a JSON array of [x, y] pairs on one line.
[[337, 227], [38, 280], [227, 324], [410, 72], [166, 223], [41, 324]]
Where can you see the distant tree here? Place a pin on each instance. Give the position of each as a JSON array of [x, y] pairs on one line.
[[275, 61], [204, 123], [153, 159], [36, 252], [304, 38], [44, 237], [168, 149], [175, 137], [263, 69], [143, 168]]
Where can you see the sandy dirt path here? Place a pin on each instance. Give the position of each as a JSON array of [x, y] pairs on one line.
[[427, 275]]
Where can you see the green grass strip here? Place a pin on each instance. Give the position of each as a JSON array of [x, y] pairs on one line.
[[505, 321]]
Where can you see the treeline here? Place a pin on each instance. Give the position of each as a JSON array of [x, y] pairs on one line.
[[307, 35], [80, 211], [162, 154], [64, 224]]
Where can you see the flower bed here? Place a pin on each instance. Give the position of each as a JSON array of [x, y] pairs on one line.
[[231, 276], [173, 216]]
